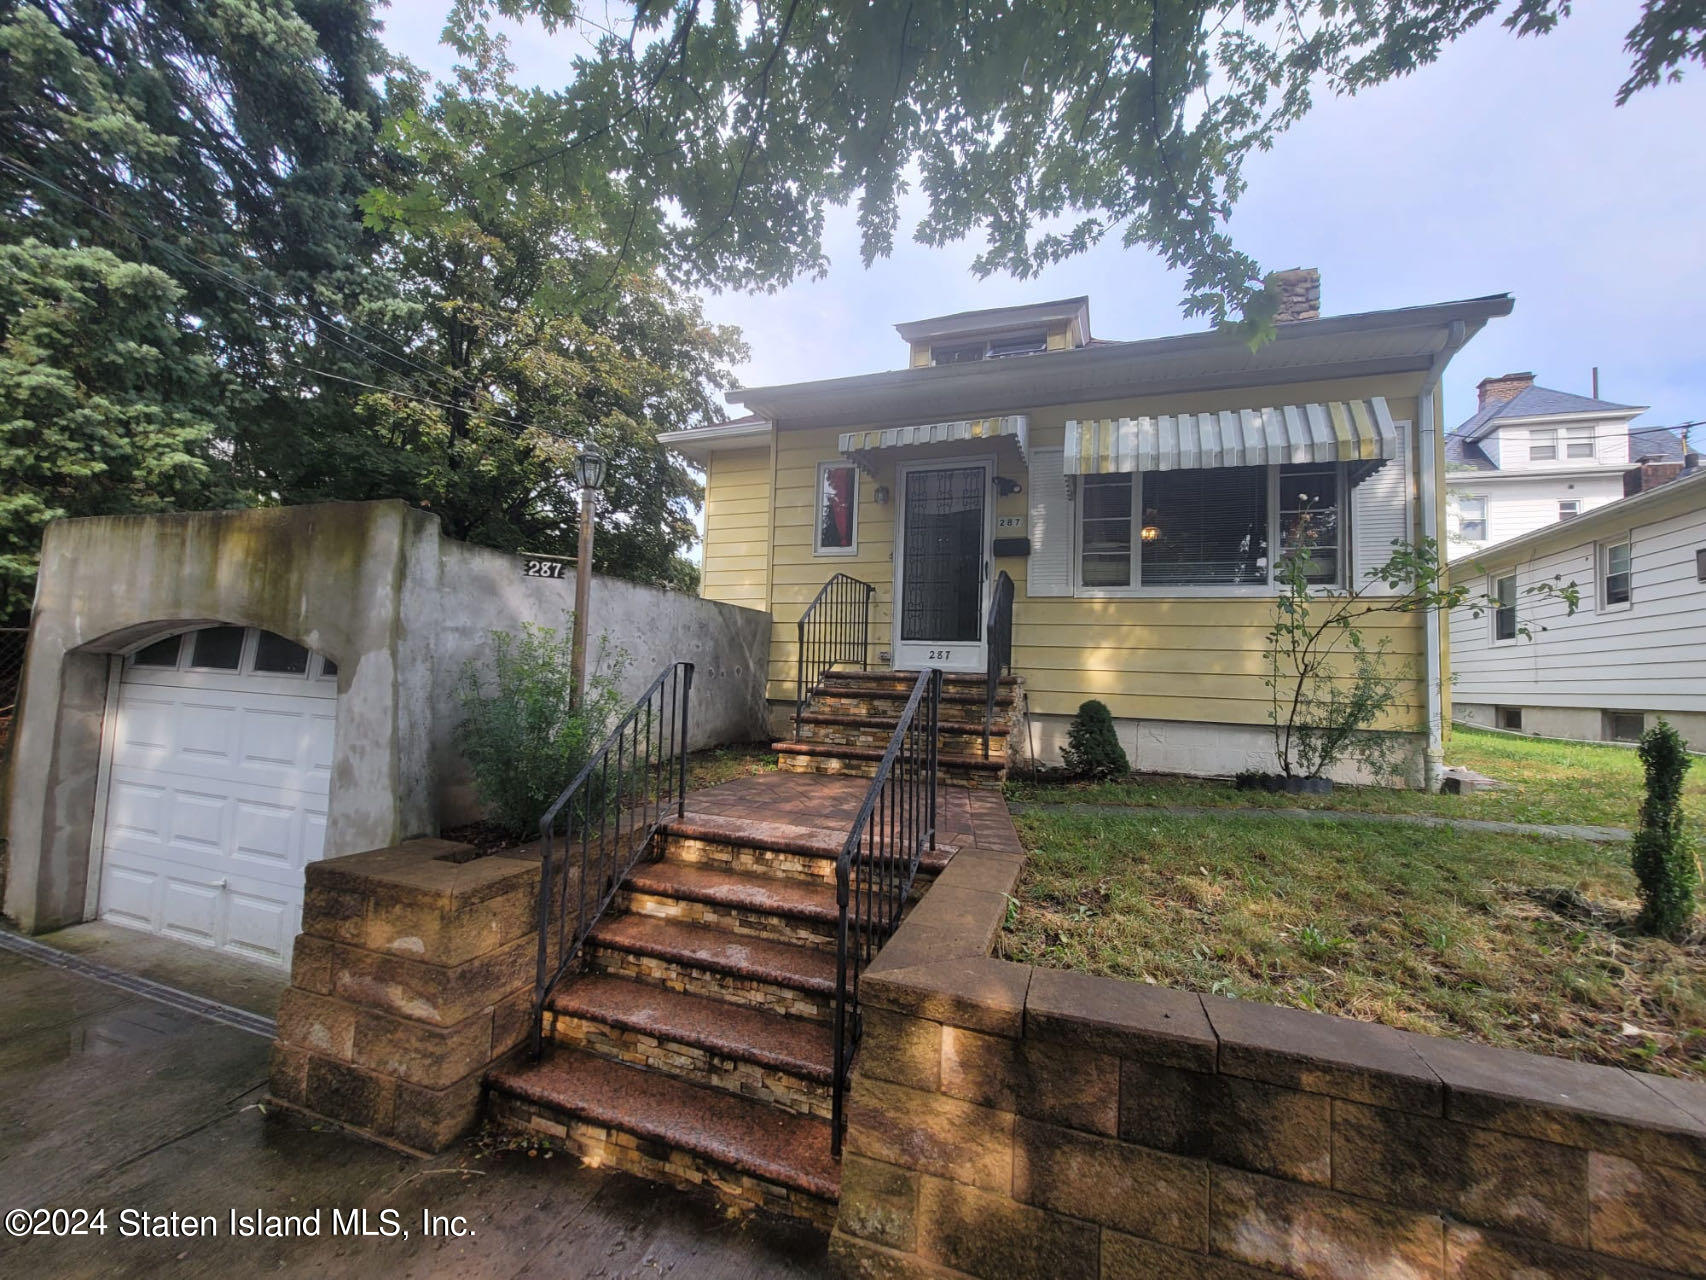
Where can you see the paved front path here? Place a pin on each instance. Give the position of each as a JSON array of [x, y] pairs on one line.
[[111, 1100], [1566, 831]]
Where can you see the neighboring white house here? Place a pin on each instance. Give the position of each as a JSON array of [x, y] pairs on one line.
[[1633, 649], [1532, 456]]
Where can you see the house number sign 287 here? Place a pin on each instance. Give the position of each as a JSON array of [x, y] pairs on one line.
[[533, 567]]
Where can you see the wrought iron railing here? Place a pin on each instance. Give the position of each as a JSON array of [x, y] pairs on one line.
[[836, 627], [603, 822], [878, 863], [999, 634]]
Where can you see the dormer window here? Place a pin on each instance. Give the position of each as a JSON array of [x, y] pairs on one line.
[[1021, 344]]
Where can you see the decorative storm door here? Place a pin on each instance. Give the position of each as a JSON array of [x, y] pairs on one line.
[[941, 565]]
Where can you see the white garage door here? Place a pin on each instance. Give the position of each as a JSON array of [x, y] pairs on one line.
[[220, 764]]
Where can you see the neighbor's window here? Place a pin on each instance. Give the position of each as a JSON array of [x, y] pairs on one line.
[[1614, 568], [1569, 508], [1504, 611], [1543, 444], [837, 509], [1472, 518], [1578, 442], [1700, 565]]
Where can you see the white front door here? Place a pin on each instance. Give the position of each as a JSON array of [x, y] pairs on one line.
[[220, 768], [941, 565]]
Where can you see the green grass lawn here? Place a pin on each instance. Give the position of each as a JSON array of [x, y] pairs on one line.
[[1547, 781], [1510, 940]]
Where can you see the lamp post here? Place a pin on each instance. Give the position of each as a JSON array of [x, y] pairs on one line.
[[589, 474]]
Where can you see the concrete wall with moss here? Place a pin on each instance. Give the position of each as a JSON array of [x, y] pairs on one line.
[[374, 586]]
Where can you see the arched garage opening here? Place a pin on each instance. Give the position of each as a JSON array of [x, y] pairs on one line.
[[216, 768]]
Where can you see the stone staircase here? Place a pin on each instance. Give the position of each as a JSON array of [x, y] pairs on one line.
[[694, 1046], [851, 715]]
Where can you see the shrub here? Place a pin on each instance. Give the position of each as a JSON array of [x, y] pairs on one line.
[[1092, 747], [521, 740], [1664, 865]]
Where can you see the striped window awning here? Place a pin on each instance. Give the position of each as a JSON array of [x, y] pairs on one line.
[[858, 446], [1337, 431]]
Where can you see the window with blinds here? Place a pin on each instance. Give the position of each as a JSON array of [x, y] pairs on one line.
[[1215, 527]]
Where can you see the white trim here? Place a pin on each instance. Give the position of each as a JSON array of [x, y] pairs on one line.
[[1493, 580], [103, 787], [852, 548], [979, 647], [1602, 549]]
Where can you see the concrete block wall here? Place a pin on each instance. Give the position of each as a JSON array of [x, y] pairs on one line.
[[1012, 1121], [414, 972]]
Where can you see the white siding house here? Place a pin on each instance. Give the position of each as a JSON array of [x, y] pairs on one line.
[[1634, 649], [1531, 456]]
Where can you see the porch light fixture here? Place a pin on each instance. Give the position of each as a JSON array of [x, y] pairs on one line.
[[589, 474], [1150, 532], [881, 494]]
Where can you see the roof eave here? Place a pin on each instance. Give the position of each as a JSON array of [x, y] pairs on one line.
[[1124, 369]]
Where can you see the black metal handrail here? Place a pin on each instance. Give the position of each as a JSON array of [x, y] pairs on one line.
[[610, 812], [999, 634], [836, 627], [878, 863]]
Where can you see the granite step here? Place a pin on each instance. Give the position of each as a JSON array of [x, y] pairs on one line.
[[773, 976], [765, 906], [580, 1097], [950, 679], [857, 720], [786, 1062], [947, 761], [777, 849]]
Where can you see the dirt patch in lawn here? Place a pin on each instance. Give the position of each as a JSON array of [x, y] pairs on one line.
[[1509, 940]]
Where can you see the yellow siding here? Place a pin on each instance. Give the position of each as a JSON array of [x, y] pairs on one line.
[[1194, 659], [737, 528]]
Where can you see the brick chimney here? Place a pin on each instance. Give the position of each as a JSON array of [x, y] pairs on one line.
[[1507, 386], [1299, 294]]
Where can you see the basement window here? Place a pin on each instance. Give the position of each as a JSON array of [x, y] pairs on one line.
[[1624, 726], [1508, 718]]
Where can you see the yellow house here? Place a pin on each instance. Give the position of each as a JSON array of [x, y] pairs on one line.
[[1137, 494]]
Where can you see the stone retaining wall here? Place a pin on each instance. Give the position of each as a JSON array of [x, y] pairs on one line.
[[414, 971], [1011, 1121]]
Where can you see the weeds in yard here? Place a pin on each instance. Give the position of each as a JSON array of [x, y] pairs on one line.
[[1510, 940]]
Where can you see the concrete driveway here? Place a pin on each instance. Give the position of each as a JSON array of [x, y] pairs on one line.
[[113, 1101]]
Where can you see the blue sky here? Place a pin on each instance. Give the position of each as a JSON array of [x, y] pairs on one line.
[[1504, 167]]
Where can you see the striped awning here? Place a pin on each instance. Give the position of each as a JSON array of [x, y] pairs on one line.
[[858, 445], [1337, 431]]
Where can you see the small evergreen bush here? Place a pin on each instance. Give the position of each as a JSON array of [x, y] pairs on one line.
[[1092, 747], [520, 739], [1664, 864]]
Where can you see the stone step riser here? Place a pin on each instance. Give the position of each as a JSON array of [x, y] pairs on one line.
[[753, 993], [692, 1063], [833, 766], [771, 926], [600, 1145], [956, 715], [953, 738], [748, 859]]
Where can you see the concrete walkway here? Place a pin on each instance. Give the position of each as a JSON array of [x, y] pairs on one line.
[[112, 1100], [1563, 831]]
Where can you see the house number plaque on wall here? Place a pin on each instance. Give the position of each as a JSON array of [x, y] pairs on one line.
[[543, 567]]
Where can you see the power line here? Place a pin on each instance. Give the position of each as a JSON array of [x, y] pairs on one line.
[[266, 299], [407, 395]]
